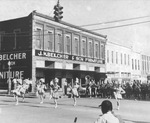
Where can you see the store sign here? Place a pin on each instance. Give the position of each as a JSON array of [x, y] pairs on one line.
[[11, 74], [12, 56], [15, 64], [67, 57]]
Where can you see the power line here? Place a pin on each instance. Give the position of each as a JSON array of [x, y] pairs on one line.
[[28, 33], [131, 24], [121, 20]]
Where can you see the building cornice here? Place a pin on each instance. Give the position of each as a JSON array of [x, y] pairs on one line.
[[68, 24]]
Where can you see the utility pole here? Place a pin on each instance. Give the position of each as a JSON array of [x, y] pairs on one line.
[[9, 79]]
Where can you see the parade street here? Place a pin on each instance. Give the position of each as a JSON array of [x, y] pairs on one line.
[[86, 111]]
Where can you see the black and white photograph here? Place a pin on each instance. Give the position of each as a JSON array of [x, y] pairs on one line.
[[74, 61]]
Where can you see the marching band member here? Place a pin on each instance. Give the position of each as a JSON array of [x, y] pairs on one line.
[[55, 89], [51, 85], [74, 90], [118, 94], [41, 90], [16, 92]]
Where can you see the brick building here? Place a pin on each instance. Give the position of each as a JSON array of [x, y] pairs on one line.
[[38, 47]]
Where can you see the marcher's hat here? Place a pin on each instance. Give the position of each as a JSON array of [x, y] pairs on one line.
[[19, 81], [77, 80], [56, 80], [106, 106], [42, 80]]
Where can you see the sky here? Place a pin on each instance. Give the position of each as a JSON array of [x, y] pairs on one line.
[[98, 12]]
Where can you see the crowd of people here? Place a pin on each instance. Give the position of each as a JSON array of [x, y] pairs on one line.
[[134, 89], [115, 89]]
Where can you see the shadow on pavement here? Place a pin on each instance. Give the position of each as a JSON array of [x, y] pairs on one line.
[[135, 121], [88, 106]]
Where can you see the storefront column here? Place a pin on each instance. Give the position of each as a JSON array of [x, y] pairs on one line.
[[63, 81], [33, 76], [80, 81]]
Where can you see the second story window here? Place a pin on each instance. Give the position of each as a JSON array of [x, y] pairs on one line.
[[1, 40], [90, 53], [121, 57], [17, 41], [102, 51], [39, 38], [128, 60], [84, 46], [135, 65], [68, 43], [59, 42], [112, 56], [116, 57], [125, 59], [96, 50], [107, 56], [76, 45], [138, 65], [49, 40], [132, 64]]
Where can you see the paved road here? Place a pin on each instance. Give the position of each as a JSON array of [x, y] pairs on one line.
[[86, 111]]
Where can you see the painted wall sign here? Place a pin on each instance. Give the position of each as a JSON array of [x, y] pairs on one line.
[[20, 65], [11, 74], [67, 57], [13, 56]]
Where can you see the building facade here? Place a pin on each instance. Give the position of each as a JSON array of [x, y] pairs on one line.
[[145, 67], [118, 62], [38, 47], [136, 66], [125, 64]]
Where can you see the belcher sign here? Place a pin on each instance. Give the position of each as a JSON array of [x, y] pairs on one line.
[[19, 64], [12, 56], [67, 57]]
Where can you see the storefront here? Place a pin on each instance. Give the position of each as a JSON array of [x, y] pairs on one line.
[[67, 67]]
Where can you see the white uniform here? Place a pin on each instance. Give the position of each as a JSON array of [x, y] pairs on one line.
[[107, 118], [119, 92]]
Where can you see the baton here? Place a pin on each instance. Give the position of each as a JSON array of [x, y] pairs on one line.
[[75, 120]]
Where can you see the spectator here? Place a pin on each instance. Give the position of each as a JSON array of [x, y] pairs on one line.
[[65, 87], [108, 116]]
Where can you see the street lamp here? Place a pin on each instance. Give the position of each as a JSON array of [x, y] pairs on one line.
[[9, 81]]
